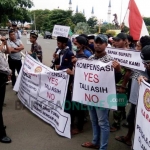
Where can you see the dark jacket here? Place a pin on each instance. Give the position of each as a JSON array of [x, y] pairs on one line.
[[66, 59]]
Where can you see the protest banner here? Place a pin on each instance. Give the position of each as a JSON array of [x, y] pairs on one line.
[[94, 84], [142, 130], [40, 90], [127, 58], [61, 31]]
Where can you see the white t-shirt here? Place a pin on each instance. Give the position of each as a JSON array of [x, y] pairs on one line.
[[17, 43]]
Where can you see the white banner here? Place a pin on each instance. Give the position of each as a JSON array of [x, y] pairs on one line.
[[61, 31], [40, 90], [142, 130], [127, 58], [94, 84]]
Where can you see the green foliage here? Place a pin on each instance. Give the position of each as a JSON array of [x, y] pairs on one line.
[[60, 17], [147, 21], [41, 18], [92, 22], [148, 28], [78, 17], [111, 32], [14, 7], [82, 28]]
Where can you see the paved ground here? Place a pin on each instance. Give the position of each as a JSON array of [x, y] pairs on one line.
[[28, 132]]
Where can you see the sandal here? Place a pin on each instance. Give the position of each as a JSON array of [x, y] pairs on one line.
[[76, 131], [90, 145], [113, 129], [121, 139]]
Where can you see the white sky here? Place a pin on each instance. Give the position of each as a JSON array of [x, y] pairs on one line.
[[100, 7]]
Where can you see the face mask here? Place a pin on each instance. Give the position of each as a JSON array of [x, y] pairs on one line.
[[75, 48], [91, 46]]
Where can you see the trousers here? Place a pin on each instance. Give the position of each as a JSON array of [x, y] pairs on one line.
[[14, 65], [3, 79]]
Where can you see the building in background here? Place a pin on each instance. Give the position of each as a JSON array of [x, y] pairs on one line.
[[70, 4], [109, 12], [92, 12]]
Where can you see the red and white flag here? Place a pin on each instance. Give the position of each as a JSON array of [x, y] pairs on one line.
[[134, 21]]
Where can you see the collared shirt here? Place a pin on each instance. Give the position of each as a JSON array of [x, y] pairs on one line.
[[107, 58], [17, 43], [4, 67], [36, 48]]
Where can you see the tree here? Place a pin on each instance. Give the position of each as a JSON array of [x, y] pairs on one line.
[[92, 22], [41, 18], [17, 7], [82, 28], [78, 17], [147, 21], [60, 17]]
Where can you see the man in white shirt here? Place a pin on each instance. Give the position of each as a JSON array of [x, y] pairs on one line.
[[17, 32], [14, 59]]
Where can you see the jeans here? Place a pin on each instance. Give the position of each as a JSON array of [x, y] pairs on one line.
[[100, 126], [14, 65]]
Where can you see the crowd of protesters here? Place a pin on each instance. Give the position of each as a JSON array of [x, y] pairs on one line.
[[85, 47]]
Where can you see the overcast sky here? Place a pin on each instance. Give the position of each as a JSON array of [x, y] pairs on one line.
[[100, 7]]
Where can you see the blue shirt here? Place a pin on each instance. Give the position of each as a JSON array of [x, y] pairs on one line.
[[87, 53]]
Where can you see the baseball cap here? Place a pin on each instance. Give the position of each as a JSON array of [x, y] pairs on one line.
[[101, 37], [34, 33], [145, 54], [120, 36]]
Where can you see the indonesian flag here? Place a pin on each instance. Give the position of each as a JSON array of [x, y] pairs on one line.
[[134, 21]]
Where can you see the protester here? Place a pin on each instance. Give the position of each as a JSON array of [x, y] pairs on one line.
[[87, 51], [36, 50], [91, 42], [69, 44], [78, 47], [130, 42], [4, 73], [99, 116], [145, 40], [14, 58], [17, 32], [120, 114], [65, 62]]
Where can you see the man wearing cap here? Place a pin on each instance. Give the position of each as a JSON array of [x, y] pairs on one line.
[[17, 33], [121, 41], [119, 115], [65, 62], [66, 55], [99, 116], [14, 59], [36, 50]]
